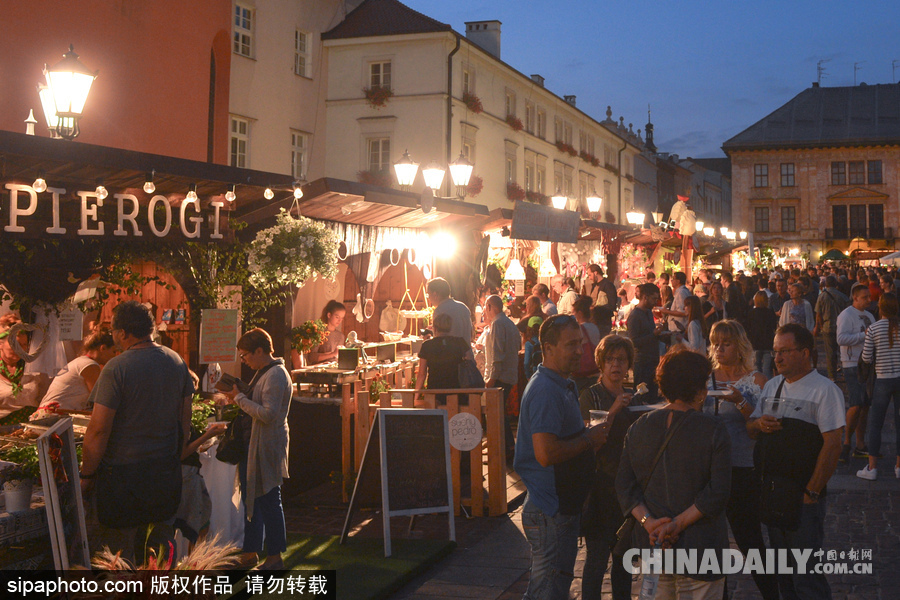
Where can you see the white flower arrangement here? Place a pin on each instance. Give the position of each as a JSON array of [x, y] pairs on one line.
[[292, 251]]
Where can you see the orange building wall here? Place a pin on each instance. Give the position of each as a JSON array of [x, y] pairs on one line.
[[152, 94]]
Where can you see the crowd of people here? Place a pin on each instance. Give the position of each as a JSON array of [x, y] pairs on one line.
[[745, 431]]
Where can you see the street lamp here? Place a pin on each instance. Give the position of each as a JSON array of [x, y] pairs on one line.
[[699, 225], [743, 235], [68, 85], [635, 218], [460, 173], [723, 230], [406, 171], [559, 200], [710, 231], [593, 202]]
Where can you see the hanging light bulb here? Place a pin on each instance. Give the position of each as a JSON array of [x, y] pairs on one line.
[[149, 186], [229, 195], [192, 193], [268, 194], [39, 185], [298, 190], [101, 191]]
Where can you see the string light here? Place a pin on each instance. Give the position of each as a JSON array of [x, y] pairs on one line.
[[149, 186]]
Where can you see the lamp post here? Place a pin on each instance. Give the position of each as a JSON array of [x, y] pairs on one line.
[[593, 202], [559, 200], [68, 85], [433, 173], [635, 218]]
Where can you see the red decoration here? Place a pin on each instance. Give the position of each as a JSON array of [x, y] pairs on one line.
[[476, 184], [514, 192], [514, 122], [472, 102], [378, 96]]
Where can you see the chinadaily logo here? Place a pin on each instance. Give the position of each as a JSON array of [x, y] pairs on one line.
[[728, 562]]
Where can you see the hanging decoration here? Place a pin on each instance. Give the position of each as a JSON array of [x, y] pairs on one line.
[[292, 251], [632, 261]]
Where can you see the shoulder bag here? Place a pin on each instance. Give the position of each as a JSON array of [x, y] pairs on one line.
[[235, 441], [626, 531]]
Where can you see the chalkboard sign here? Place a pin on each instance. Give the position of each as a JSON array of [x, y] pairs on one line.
[[405, 468], [62, 495]]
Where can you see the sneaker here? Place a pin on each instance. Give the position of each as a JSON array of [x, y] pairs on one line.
[[867, 473], [860, 453], [845, 454]]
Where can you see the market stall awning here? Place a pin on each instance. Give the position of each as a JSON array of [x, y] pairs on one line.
[[833, 254], [73, 164], [343, 201]]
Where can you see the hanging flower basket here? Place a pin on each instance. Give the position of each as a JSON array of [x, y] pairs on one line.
[[610, 218], [378, 96], [537, 198], [514, 122], [595, 161], [476, 184], [309, 336], [567, 148], [291, 252], [514, 192], [472, 102]]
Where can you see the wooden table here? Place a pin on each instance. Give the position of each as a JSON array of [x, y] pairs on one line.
[[328, 381]]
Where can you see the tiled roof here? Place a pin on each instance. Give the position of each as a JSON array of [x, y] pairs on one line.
[[719, 165], [828, 116], [384, 17]]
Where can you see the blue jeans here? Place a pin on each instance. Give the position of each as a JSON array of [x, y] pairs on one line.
[[554, 545], [809, 534], [764, 362], [267, 521], [885, 391]]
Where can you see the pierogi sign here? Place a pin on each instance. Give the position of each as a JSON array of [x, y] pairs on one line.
[[83, 214]]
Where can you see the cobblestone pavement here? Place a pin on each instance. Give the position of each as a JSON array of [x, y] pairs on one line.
[[492, 558]]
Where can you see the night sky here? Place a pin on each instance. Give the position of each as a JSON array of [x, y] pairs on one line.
[[709, 70]]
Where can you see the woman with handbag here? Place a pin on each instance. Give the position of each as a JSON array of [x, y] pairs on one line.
[[674, 478], [266, 464], [602, 515], [587, 373], [734, 374], [882, 347]]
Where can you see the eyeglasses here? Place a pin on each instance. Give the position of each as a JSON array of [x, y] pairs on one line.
[[243, 355], [785, 351]]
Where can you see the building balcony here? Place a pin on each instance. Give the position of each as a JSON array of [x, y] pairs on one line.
[[849, 233]]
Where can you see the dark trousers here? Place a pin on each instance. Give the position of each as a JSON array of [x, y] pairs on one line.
[[831, 352], [267, 521], [743, 516], [507, 423], [599, 548], [645, 372], [810, 534]]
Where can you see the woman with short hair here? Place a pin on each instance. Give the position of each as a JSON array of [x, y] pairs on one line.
[[263, 470], [681, 502]]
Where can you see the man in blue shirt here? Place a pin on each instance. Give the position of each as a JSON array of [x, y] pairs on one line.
[[555, 458]]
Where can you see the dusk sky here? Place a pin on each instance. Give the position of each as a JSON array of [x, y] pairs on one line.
[[709, 70]]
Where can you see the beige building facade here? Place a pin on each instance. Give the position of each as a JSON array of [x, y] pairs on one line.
[[821, 172]]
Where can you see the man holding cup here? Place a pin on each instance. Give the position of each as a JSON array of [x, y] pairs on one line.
[[799, 428]]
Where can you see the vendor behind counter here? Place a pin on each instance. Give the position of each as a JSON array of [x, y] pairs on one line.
[[17, 388], [333, 317]]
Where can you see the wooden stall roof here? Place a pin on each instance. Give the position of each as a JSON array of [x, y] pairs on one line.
[[343, 201], [72, 163]]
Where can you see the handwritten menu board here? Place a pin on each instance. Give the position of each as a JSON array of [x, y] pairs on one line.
[[218, 335], [405, 468]]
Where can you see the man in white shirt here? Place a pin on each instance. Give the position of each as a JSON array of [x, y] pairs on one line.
[[678, 312], [565, 287], [438, 291], [813, 414], [851, 334]]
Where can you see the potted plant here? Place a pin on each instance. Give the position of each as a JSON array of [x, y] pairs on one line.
[[514, 192], [472, 102], [19, 477], [476, 184], [514, 122], [307, 337], [377, 96]]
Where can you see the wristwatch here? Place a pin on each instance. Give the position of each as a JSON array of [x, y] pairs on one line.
[[647, 516], [812, 494], [740, 405]]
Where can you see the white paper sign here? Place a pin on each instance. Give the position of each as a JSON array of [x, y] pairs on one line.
[[218, 335], [71, 324], [465, 431]]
